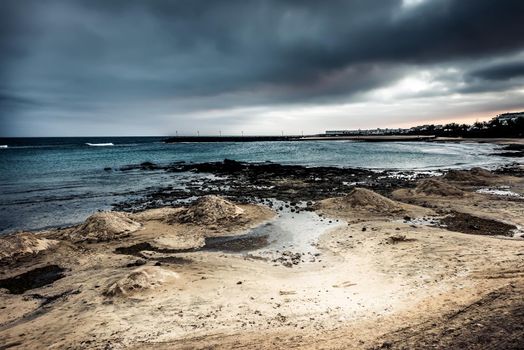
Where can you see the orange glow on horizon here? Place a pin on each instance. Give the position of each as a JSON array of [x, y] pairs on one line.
[[463, 119]]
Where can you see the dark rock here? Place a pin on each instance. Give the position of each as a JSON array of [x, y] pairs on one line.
[[138, 262], [32, 279]]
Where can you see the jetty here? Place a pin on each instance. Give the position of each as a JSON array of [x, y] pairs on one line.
[[362, 138]]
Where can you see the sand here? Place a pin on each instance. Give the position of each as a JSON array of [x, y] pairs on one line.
[[377, 281], [186, 228], [473, 176], [104, 226], [207, 210], [23, 244], [140, 280], [438, 188], [361, 204]]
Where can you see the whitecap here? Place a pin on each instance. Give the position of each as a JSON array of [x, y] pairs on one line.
[[100, 144]]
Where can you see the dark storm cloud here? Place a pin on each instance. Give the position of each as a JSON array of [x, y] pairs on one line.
[[500, 71], [100, 57]]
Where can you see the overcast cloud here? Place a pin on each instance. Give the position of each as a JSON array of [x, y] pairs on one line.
[[130, 67]]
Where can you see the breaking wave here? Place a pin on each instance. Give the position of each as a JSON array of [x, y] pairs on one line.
[[100, 144]]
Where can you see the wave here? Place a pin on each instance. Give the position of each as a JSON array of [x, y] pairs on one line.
[[100, 144], [3, 146]]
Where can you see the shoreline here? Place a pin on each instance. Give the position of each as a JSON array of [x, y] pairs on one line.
[[377, 265], [232, 179]]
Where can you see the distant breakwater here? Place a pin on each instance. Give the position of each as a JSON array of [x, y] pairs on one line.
[[366, 138]]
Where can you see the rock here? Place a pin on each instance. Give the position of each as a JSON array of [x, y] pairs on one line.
[[139, 280], [148, 166], [386, 345], [138, 262], [232, 165]]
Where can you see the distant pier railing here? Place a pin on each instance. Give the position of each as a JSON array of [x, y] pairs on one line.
[[176, 139]]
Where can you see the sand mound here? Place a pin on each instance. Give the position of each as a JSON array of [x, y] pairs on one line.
[[208, 210], [361, 199], [371, 201], [474, 176], [482, 172], [22, 244], [104, 226], [438, 188], [141, 279], [180, 242]]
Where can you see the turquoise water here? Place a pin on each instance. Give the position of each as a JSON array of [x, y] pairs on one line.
[[47, 182]]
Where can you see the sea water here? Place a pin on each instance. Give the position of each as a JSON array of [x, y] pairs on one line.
[[48, 182]]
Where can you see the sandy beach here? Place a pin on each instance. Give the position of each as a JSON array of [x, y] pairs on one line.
[[432, 262], [262, 175]]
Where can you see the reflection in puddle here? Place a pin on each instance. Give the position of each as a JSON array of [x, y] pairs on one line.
[[290, 231]]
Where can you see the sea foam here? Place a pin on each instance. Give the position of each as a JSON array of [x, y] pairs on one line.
[[99, 144]]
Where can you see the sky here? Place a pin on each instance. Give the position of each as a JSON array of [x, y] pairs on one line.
[[139, 67]]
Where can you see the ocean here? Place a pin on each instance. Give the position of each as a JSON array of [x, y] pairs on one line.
[[50, 182]]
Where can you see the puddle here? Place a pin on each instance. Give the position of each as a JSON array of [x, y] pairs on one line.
[[149, 252], [172, 260], [292, 235], [244, 243], [294, 231], [136, 249], [33, 279]]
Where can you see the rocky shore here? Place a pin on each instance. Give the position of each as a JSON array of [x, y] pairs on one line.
[[260, 181], [272, 256]]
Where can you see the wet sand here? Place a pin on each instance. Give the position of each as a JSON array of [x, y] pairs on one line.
[[396, 268]]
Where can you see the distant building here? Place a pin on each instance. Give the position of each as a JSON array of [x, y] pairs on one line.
[[377, 131], [504, 118]]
